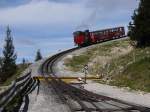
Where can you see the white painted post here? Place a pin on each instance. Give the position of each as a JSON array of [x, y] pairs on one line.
[[85, 72]]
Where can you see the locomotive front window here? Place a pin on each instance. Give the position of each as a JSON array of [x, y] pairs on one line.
[[77, 33]]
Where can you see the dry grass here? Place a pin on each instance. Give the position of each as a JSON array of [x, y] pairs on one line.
[[117, 63]]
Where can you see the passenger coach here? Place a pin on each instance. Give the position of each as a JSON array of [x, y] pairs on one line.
[[87, 38]]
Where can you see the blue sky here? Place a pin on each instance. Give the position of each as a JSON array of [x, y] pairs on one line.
[[48, 24]]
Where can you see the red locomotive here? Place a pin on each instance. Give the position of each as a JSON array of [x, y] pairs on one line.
[[87, 38]]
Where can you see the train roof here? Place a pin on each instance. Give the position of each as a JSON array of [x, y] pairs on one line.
[[77, 32], [107, 29]]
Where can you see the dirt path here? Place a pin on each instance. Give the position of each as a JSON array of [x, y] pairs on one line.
[[120, 93]]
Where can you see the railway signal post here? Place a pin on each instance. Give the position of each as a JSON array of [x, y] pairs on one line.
[[85, 70]]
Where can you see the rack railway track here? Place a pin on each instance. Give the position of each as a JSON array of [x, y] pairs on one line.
[[80, 99]]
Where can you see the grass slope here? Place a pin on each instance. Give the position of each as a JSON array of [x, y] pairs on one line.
[[122, 66], [135, 76], [77, 62]]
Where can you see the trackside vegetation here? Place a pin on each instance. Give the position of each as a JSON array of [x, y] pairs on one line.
[[9, 70], [116, 63], [8, 61], [135, 76], [77, 62], [20, 69], [139, 27], [38, 55]]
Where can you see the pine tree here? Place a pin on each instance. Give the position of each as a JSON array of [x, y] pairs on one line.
[[23, 61], [139, 28], [9, 57], [38, 55], [0, 69]]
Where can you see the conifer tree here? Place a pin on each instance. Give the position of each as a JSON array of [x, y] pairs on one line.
[[9, 57], [23, 61], [38, 55], [139, 28], [0, 69]]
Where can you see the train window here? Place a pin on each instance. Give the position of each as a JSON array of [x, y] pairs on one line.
[[121, 29], [100, 33], [104, 32]]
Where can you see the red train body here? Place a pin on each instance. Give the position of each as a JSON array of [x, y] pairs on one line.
[[87, 38]]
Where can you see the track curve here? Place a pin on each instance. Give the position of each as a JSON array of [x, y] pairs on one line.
[[80, 99]]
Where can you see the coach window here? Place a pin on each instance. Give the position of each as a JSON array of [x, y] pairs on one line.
[[120, 29], [100, 33]]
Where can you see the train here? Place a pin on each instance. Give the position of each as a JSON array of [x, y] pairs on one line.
[[85, 38]]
